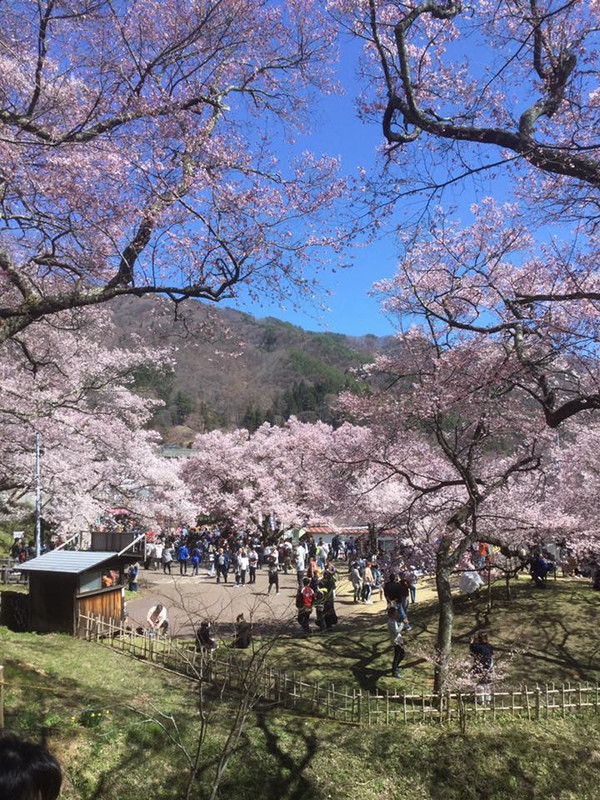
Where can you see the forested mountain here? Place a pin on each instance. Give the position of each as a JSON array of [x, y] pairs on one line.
[[234, 370]]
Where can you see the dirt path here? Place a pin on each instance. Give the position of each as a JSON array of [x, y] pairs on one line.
[[191, 599]]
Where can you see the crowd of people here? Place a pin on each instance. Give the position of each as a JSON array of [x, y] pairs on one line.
[[236, 557]]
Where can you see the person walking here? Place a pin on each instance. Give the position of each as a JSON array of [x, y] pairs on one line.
[[356, 581], [183, 555], [243, 565], [195, 560], [132, 577], [273, 578], [222, 562], [394, 625], [392, 593], [404, 594], [158, 551], [367, 578], [252, 564], [167, 558]]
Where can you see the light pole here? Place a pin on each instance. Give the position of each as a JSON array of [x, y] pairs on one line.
[[38, 494]]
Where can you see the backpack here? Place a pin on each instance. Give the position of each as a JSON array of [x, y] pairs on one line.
[[308, 597]]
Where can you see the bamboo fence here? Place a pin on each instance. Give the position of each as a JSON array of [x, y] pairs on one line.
[[233, 670]]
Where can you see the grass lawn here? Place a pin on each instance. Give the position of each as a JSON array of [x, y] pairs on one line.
[[543, 635], [119, 726]]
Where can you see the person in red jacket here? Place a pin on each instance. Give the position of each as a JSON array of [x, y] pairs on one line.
[[305, 599]]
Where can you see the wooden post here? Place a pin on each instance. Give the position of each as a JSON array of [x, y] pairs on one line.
[[333, 701], [538, 700], [1, 698], [527, 703]]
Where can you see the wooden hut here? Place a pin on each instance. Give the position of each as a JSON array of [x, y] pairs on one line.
[[66, 583]]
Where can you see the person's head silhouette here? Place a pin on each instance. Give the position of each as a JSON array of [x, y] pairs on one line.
[[28, 771]]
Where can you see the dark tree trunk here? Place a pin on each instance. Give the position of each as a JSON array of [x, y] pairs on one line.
[[445, 617]]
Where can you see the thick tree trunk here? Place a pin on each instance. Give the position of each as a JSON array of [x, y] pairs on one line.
[[445, 619]]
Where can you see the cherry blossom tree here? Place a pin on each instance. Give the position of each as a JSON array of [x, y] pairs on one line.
[[481, 282], [506, 307], [446, 429], [509, 89], [478, 86], [140, 148], [273, 479], [76, 392]]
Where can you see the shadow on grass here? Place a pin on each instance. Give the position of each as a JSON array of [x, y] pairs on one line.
[[287, 777]]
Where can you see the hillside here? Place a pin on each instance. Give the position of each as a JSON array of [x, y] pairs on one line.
[[232, 369]]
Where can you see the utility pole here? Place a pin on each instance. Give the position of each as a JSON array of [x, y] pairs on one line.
[[38, 494]]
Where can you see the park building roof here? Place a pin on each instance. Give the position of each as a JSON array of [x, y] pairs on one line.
[[72, 562]]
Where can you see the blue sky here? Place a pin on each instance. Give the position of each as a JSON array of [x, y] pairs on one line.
[[337, 131]]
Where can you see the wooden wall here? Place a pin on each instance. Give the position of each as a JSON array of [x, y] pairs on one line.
[[107, 603], [52, 602]]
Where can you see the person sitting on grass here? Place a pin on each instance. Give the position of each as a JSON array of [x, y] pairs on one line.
[[28, 771], [540, 569], [204, 640], [157, 619], [243, 633]]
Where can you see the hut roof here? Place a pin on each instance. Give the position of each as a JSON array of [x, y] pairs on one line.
[[67, 561]]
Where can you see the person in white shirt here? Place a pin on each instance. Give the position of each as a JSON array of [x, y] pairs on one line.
[[157, 619], [243, 565]]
